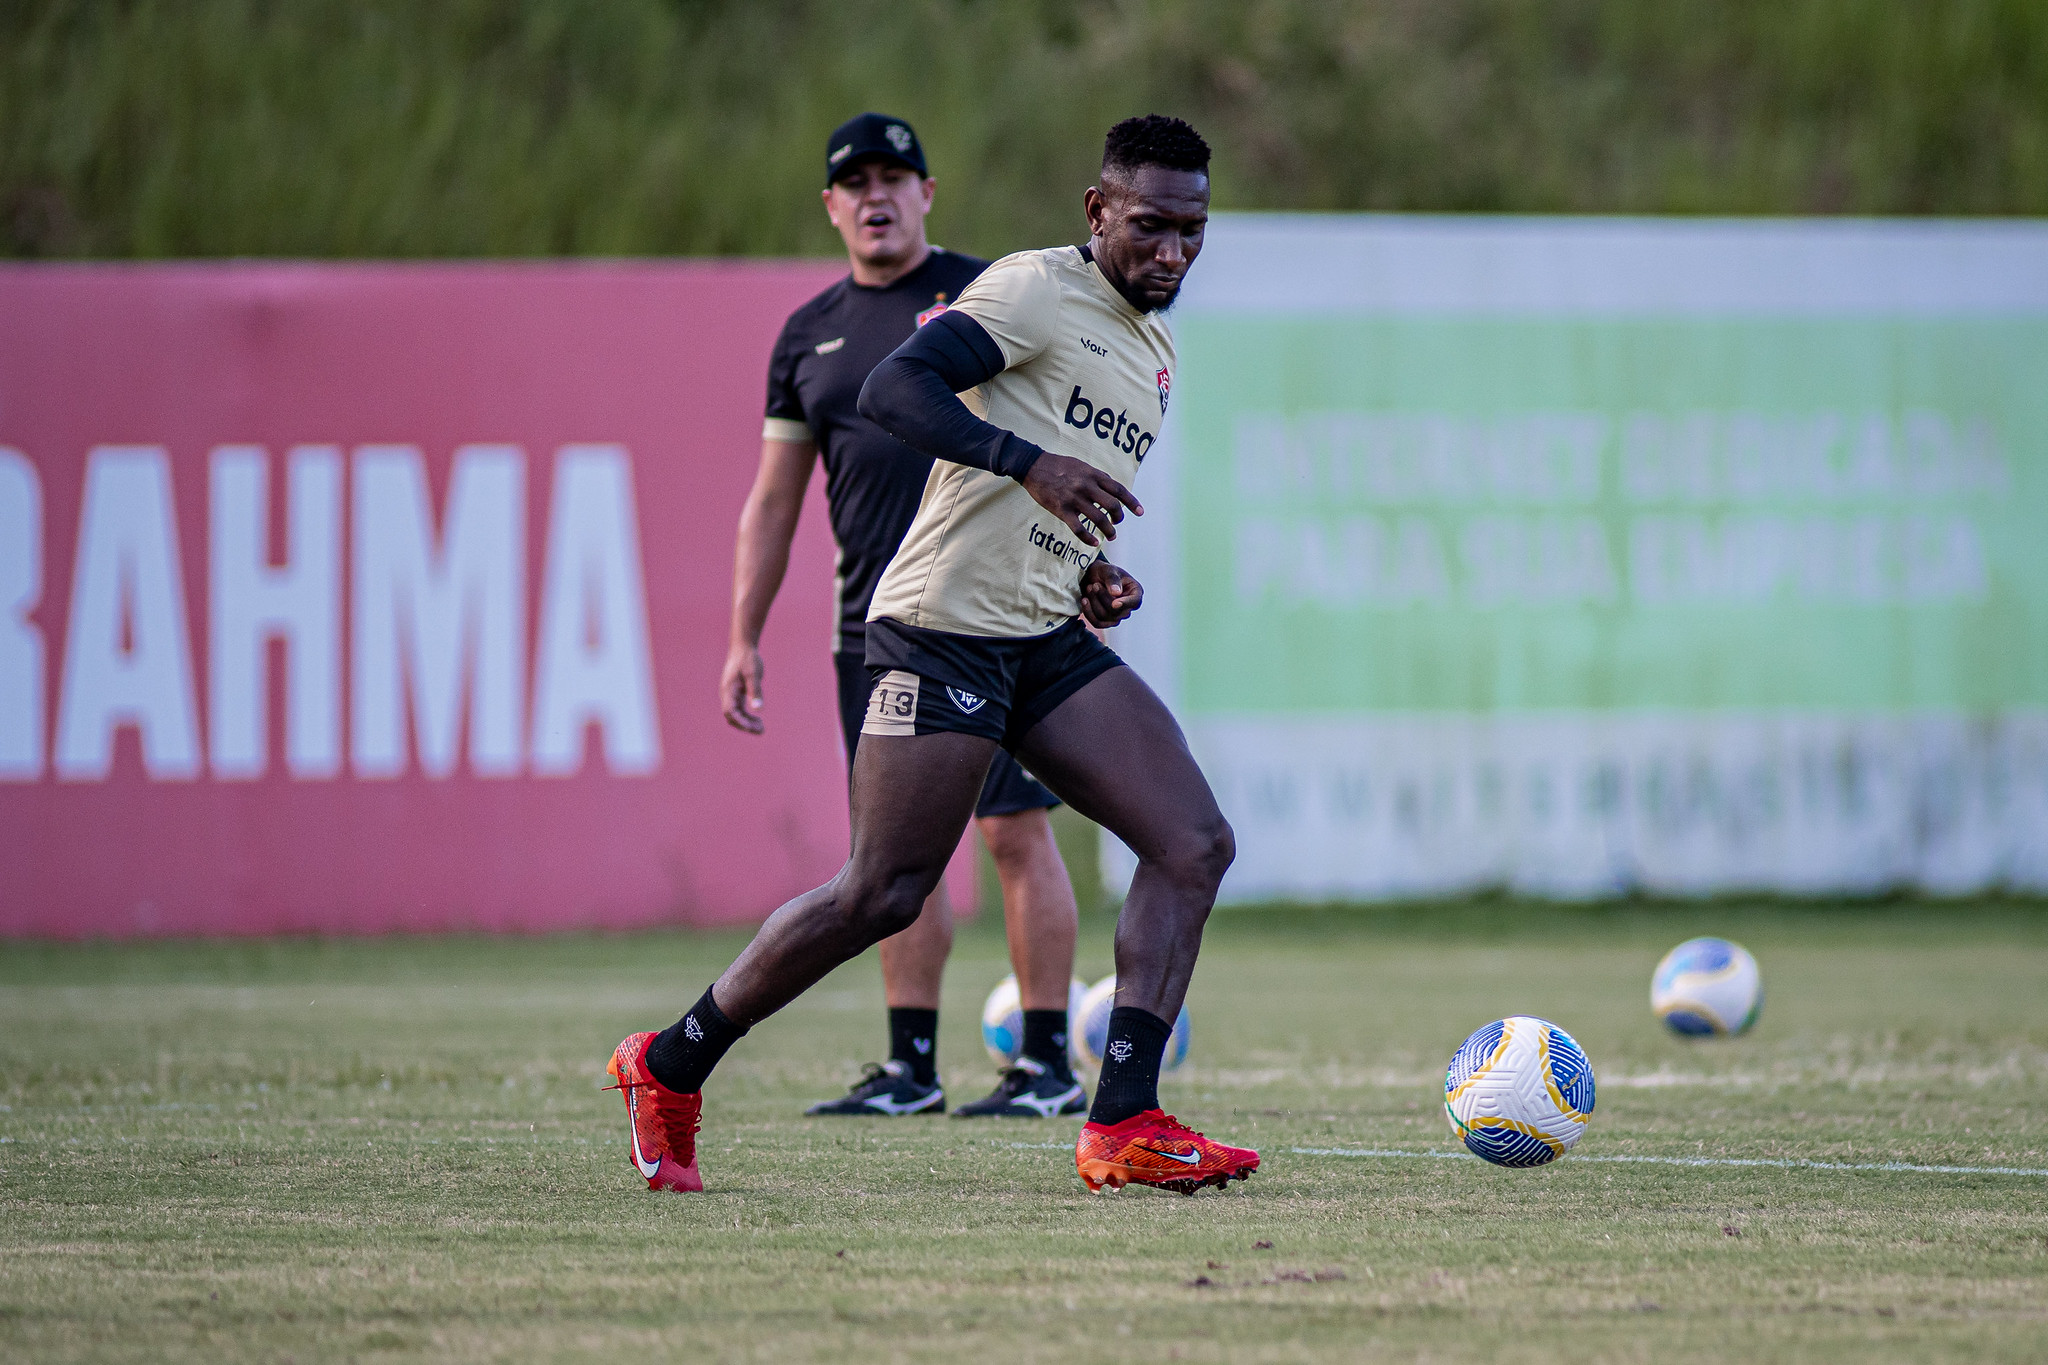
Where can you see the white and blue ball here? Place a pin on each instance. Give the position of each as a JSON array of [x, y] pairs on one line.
[[1519, 1092], [1706, 987], [1002, 1019], [1090, 1033]]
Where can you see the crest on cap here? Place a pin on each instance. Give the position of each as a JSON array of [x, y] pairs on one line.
[[899, 137]]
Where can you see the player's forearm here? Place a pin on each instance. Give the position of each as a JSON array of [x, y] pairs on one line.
[[913, 395]]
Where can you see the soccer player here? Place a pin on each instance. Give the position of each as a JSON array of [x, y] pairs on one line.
[[877, 193], [973, 640]]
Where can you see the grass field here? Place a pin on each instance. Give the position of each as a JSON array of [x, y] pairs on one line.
[[397, 1149]]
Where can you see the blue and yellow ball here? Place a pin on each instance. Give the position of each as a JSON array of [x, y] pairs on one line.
[[1091, 1028], [1002, 1019], [1519, 1092], [1707, 987]]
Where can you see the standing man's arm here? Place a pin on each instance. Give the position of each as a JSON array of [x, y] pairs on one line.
[[767, 526]]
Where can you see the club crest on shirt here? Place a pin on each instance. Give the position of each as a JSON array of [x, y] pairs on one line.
[[1165, 387], [928, 314], [966, 701]]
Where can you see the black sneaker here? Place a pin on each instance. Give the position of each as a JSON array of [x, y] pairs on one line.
[[1028, 1090], [886, 1088]]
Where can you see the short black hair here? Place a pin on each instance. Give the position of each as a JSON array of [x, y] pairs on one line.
[[1154, 140]]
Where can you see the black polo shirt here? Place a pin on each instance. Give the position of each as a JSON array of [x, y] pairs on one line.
[[873, 482]]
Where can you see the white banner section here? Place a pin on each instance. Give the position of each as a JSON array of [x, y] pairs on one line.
[[1596, 805]]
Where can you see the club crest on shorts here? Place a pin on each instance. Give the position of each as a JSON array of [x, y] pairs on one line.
[[966, 701], [1165, 388]]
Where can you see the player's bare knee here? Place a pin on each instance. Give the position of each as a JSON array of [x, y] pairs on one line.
[[1219, 851], [888, 906], [1016, 840], [1223, 843], [1197, 858]]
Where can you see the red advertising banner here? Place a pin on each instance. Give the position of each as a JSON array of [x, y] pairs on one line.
[[358, 598]]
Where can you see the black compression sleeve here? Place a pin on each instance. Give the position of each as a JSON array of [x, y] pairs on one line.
[[913, 396]]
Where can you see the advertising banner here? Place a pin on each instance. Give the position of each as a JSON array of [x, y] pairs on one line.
[[353, 598], [1580, 556]]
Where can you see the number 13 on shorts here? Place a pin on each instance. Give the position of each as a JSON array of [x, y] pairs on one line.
[[892, 705]]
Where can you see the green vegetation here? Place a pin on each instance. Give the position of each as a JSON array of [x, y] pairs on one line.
[[396, 1149], [530, 127]]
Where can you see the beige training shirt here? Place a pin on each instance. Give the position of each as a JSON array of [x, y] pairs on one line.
[[1086, 375]]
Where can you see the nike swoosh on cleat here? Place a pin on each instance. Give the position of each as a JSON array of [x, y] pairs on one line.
[[650, 1169], [1189, 1160]]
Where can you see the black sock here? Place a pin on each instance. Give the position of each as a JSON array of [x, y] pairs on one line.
[[1130, 1065], [1045, 1039], [914, 1041], [682, 1055]]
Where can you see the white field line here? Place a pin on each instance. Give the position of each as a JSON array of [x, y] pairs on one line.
[[1698, 1161], [1853, 1072]]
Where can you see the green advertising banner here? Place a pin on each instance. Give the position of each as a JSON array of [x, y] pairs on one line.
[[1582, 556]]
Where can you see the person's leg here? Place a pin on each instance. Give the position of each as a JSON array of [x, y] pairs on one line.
[[1114, 753], [912, 797], [1039, 914], [912, 961], [1040, 920], [1111, 750]]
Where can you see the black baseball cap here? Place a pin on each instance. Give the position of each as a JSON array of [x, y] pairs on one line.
[[872, 135]]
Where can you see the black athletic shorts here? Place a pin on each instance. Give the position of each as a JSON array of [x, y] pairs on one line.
[[1007, 789], [929, 680]]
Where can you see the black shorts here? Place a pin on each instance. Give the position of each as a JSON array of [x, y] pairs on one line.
[[1007, 790], [929, 680]]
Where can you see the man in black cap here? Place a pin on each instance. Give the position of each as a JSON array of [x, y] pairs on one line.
[[877, 194]]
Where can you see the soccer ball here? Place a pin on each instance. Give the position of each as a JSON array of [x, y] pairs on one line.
[[1002, 1019], [1707, 986], [1519, 1092], [1090, 1033]]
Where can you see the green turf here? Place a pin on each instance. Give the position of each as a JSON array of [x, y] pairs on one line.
[[397, 1149]]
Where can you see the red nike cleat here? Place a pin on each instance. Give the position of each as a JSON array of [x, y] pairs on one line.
[[1155, 1148], [663, 1123]]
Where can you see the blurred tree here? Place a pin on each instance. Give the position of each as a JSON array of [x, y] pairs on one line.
[[543, 127]]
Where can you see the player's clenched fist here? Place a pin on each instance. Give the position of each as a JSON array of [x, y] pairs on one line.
[[1108, 595], [1080, 495]]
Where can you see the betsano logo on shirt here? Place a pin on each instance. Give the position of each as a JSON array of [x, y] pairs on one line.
[[1114, 427]]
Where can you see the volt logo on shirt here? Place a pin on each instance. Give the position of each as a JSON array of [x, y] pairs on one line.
[[1114, 427]]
